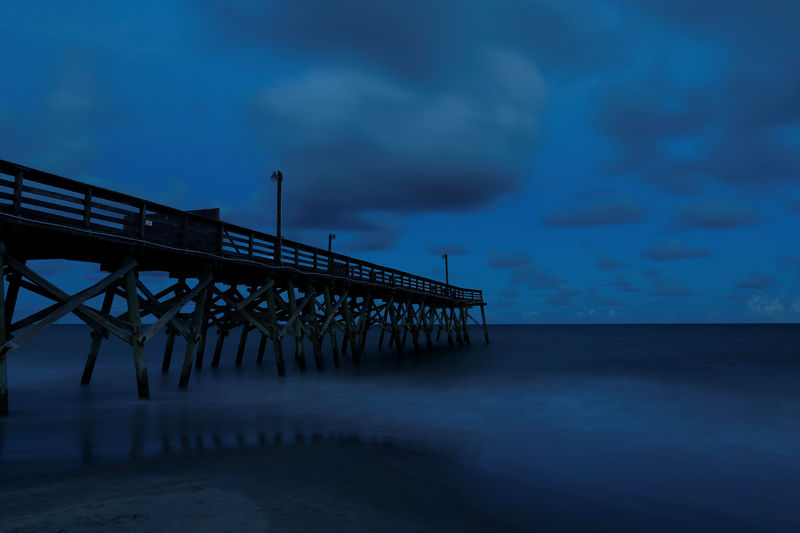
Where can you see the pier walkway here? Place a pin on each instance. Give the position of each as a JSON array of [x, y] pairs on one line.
[[222, 277]]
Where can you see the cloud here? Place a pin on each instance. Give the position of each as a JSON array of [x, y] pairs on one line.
[[724, 123], [610, 212], [418, 39], [623, 285], [449, 250], [608, 264], [666, 286], [716, 215], [671, 250], [354, 142], [60, 132], [526, 273], [757, 280], [563, 297], [424, 106], [517, 259], [763, 305]]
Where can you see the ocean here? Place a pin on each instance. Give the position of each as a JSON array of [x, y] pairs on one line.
[[557, 427]]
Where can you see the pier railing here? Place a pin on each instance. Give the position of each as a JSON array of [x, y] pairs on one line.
[[40, 197]]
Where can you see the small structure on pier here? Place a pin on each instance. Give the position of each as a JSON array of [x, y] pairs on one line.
[[226, 276]]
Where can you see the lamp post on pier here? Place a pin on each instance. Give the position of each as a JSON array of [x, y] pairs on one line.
[[278, 176], [446, 270], [331, 237]]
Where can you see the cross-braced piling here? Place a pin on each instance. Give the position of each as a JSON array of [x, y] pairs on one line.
[[222, 277]]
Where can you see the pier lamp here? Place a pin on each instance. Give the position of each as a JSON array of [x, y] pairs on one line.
[[331, 238], [446, 270], [278, 176]]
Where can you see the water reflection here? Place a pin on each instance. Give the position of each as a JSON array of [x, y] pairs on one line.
[[144, 434]]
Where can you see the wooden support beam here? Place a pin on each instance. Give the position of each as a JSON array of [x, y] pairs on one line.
[[395, 332], [97, 338], [464, 324], [134, 318], [426, 326], [456, 323], [313, 328], [70, 304], [242, 344], [43, 287], [449, 325], [262, 347], [364, 320], [294, 311], [3, 320], [331, 310], [255, 294], [415, 328], [299, 356], [221, 334], [168, 350], [151, 305], [191, 344], [385, 319], [201, 348], [246, 315], [485, 329], [14, 280], [348, 329], [179, 302], [272, 313]]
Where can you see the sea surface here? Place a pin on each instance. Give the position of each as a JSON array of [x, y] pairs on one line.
[[562, 428]]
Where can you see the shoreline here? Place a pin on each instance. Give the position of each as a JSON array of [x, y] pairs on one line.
[[310, 487]]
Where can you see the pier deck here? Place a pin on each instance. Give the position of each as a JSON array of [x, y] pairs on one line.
[[225, 277]]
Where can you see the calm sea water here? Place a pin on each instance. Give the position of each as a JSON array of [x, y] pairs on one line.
[[580, 427]]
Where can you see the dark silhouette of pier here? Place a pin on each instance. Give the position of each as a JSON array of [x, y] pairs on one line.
[[225, 277]]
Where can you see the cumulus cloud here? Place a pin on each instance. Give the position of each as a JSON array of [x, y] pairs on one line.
[[404, 108], [606, 212], [666, 285], [726, 128], [623, 285], [716, 215], [359, 142], [671, 250], [499, 259], [527, 273], [757, 280]]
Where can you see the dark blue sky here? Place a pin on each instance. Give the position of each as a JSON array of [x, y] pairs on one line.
[[582, 161]]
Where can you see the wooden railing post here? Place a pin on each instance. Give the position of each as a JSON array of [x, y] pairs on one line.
[[142, 212], [18, 192], [87, 207], [184, 229]]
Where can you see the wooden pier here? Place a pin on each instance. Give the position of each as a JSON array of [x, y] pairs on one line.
[[222, 276]]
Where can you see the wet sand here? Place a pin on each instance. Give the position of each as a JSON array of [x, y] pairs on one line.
[[342, 487]]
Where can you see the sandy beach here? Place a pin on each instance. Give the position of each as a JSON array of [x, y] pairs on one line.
[[341, 487]]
